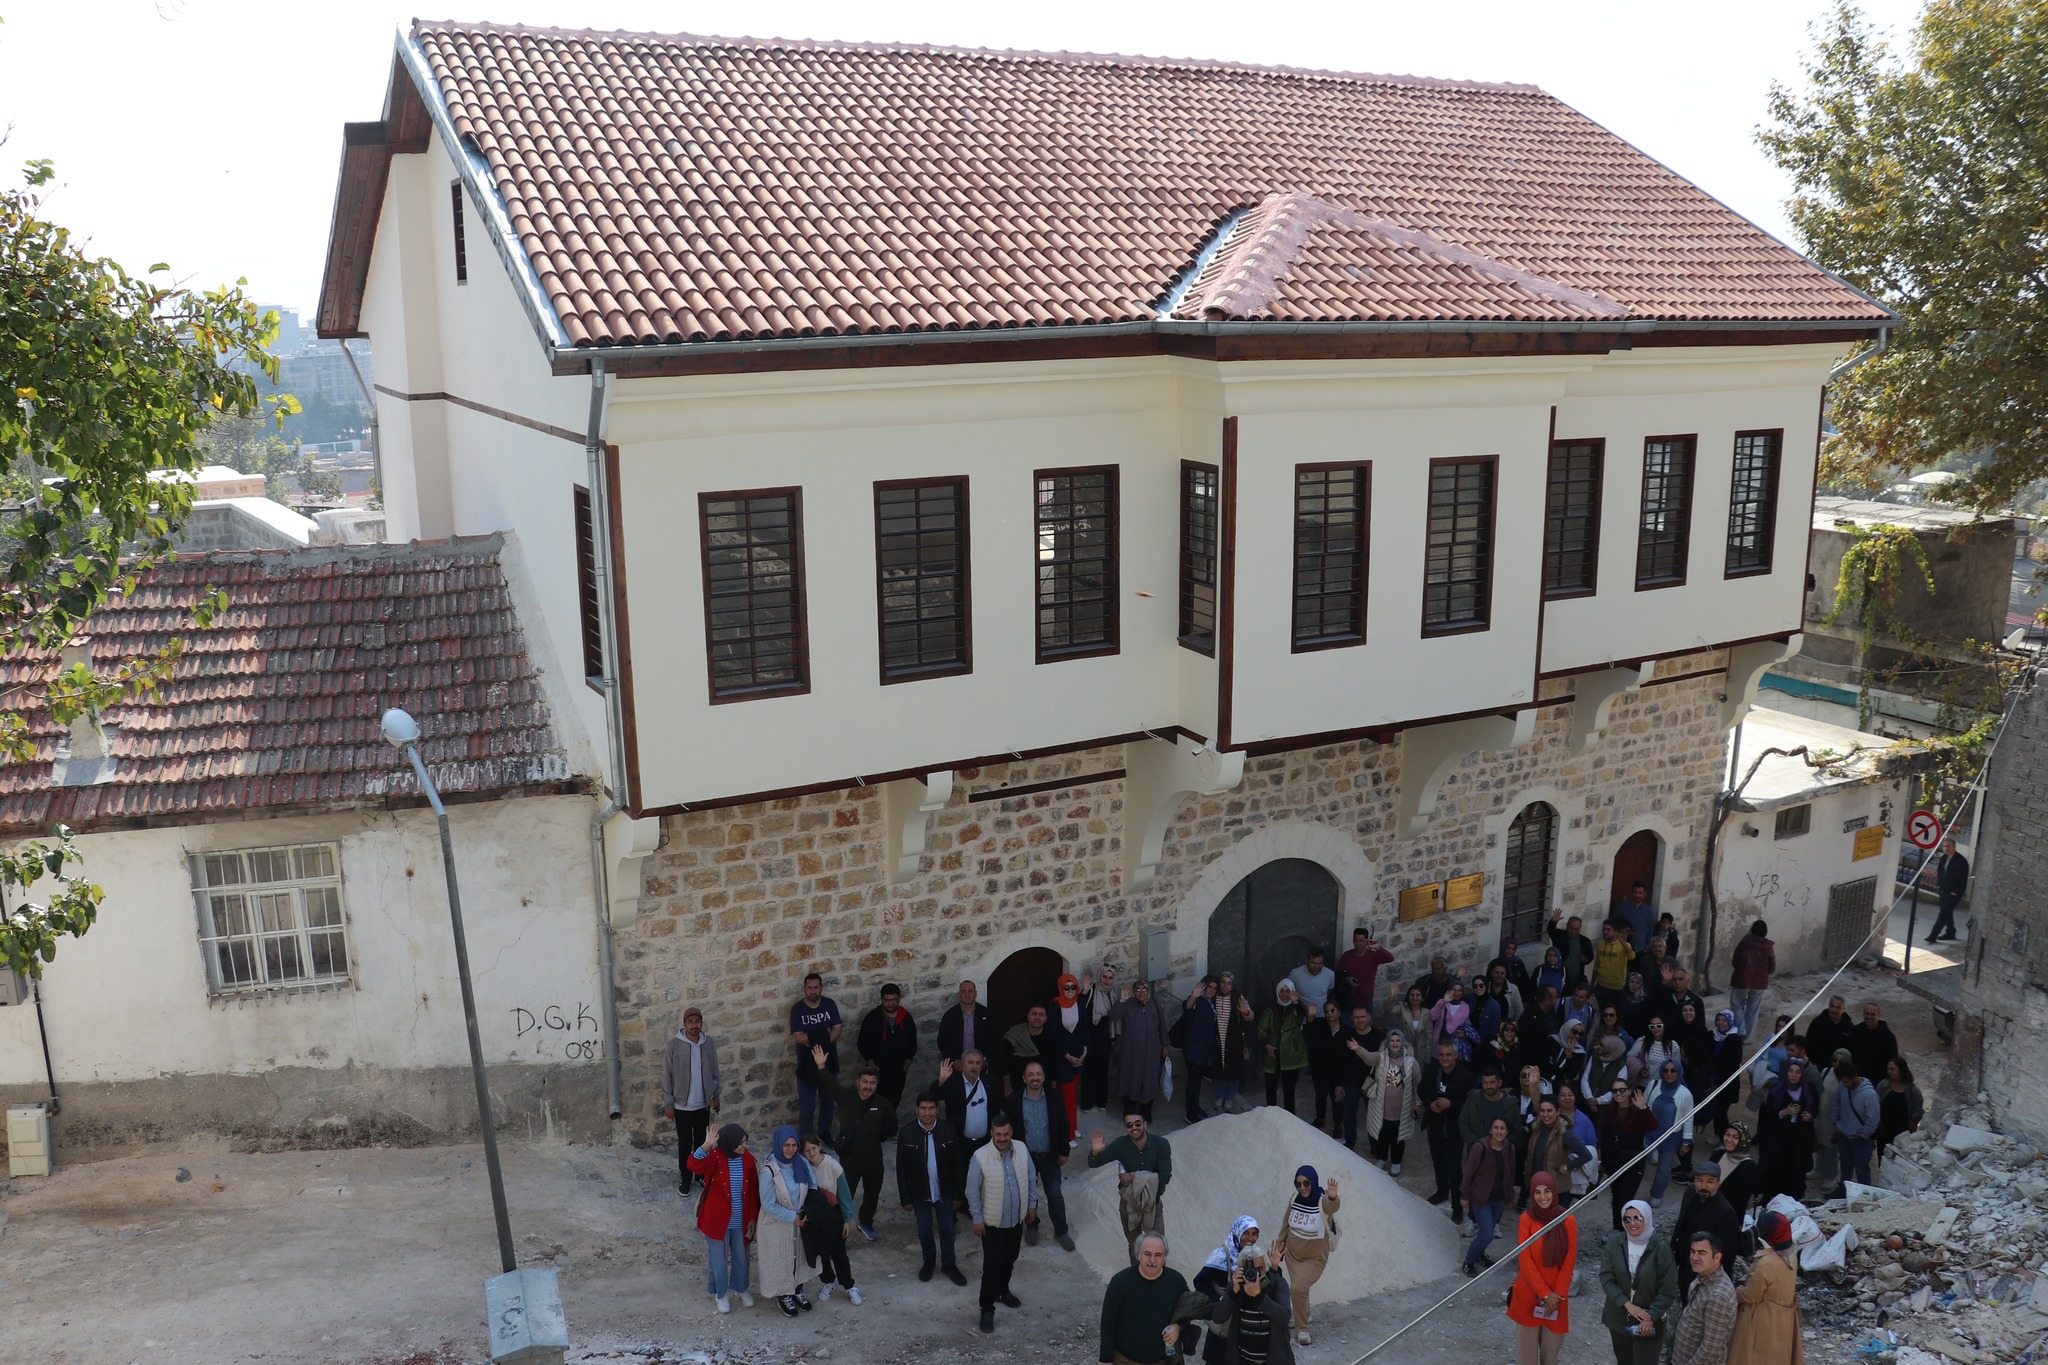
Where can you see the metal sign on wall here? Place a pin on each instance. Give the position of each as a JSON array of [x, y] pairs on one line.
[[1462, 893], [1869, 843], [1419, 902]]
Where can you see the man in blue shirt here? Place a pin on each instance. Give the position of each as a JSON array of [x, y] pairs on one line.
[[1640, 916], [814, 1022], [1040, 1122]]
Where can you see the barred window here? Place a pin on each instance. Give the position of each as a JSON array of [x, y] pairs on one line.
[[1077, 550], [1457, 591], [271, 918], [461, 247], [1793, 821], [922, 577], [1753, 501], [1198, 531], [1525, 875], [1332, 507], [1666, 528], [754, 627], [1571, 529]]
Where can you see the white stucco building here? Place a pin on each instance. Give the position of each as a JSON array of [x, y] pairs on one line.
[[981, 516]]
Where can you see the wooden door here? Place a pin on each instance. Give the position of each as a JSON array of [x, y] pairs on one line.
[[1025, 978], [1637, 862], [1263, 928]]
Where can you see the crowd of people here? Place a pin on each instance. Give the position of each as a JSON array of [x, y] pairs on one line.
[[1523, 1082]]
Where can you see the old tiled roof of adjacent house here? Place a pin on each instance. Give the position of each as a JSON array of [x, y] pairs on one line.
[[276, 707], [677, 189]]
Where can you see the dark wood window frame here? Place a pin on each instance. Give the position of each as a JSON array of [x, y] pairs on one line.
[[589, 609], [1112, 614], [1485, 621], [1685, 483], [1200, 534], [1354, 632], [1762, 560], [962, 660], [1555, 553], [461, 244], [800, 623], [1524, 896]]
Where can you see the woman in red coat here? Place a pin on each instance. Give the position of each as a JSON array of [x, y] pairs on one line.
[[728, 1211], [1541, 1304]]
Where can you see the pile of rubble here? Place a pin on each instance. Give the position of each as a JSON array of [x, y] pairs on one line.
[[1944, 1259]]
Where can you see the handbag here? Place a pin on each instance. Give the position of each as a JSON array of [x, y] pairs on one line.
[[1166, 1079]]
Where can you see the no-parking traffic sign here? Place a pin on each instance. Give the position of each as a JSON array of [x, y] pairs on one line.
[[1923, 827]]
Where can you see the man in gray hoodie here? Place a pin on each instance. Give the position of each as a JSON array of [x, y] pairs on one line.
[[1855, 1114], [689, 1086]]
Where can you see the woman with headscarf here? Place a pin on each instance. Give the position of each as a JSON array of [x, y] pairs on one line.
[[1213, 1278], [1636, 1006], [1326, 1064], [1567, 1055], [1510, 961], [1540, 1305], [1671, 1102], [1391, 1108], [1551, 973], [1789, 1111], [785, 1181], [1767, 1326], [1070, 1030], [1607, 1064], [1283, 1043], [1142, 1021], [1487, 1015], [1639, 1279], [1488, 1187], [1447, 1016], [1723, 1061], [728, 1211], [1739, 1174], [1899, 1105], [1308, 1236]]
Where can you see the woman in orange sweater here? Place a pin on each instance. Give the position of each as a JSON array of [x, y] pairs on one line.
[[1541, 1304]]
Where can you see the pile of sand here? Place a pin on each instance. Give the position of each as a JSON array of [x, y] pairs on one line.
[[1244, 1164]]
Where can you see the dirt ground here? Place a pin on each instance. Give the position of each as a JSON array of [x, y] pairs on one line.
[[378, 1257]]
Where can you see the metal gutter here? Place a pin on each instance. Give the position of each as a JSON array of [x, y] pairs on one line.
[[600, 880], [369, 401], [1185, 285]]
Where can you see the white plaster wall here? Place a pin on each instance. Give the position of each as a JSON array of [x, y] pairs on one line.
[[1785, 882], [128, 1001]]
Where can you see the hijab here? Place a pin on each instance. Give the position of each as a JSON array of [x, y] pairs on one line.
[[1571, 1038], [1224, 1258], [1283, 990], [729, 1139], [1314, 1198], [1612, 1048], [1555, 1243], [1724, 1025], [1395, 1048], [1649, 1223], [796, 1169], [1637, 993], [1068, 1002]]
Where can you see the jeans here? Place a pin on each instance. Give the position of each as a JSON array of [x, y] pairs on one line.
[[811, 1097], [1049, 1190], [1855, 1158], [1447, 1154], [940, 1214], [728, 1257], [1747, 1005], [1485, 1223], [1226, 1091], [1347, 1107], [1667, 1156]]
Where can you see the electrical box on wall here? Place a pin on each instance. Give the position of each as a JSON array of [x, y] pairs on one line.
[[1155, 966], [28, 1140], [13, 988]]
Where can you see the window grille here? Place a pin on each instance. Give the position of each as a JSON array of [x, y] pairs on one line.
[[921, 572], [1571, 539], [755, 630], [1077, 562], [1666, 528], [271, 918], [1753, 502], [1198, 538], [1525, 876], [1458, 583], [1332, 509]]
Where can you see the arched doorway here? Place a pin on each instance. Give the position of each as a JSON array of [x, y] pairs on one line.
[[1027, 977], [1636, 862], [1264, 926]]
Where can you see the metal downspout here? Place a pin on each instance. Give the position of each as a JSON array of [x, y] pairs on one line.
[[600, 537], [370, 401]]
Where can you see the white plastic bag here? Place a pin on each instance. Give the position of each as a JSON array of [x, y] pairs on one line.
[[1805, 1232], [1833, 1254], [1166, 1079]]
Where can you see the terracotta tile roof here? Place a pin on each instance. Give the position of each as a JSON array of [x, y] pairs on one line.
[[675, 188], [277, 705]]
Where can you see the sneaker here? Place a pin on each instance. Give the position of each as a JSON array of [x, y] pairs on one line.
[[1066, 1242], [802, 1302], [724, 1304], [1471, 1270], [988, 1319], [1440, 1197], [1397, 1168], [952, 1272], [924, 1272], [1031, 1234], [867, 1230], [683, 1188], [746, 1298], [1466, 1232], [1301, 1337], [853, 1294], [787, 1303], [1009, 1300], [824, 1292]]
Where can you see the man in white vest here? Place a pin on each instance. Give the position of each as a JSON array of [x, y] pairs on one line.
[[1002, 1196]]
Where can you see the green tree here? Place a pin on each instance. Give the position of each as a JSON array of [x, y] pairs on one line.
[[1924, 182], [106, 378], [251, 445]]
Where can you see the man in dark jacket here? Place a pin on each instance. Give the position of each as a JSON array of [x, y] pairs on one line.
[[1872, 1042], [1951, 880], [1574, 949], [969, 1100], [965, 1026], [1445, 1083], [931, 1181], [1492, 1100], [1040, 1120], [1833, 1029], [1756, 959], [1435, 982], [1704, 1210], [888, 1040], [1353, 1071], [867, 1122]]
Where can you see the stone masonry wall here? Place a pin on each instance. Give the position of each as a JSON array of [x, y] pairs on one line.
[[2004, 994], [739, 904]]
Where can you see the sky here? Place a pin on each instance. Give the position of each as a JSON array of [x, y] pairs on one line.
[[207, 133]]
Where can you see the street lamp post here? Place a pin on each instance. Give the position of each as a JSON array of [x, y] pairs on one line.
[[403, 732]]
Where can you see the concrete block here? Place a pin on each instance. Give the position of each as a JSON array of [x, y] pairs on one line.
[[524, 1309], [1963, 1138]]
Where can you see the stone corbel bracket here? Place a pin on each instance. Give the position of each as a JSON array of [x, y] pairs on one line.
[[1430, 752], [1158, 776], [1747, 665], [907, 808], [627, 842], [1593, 698]]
